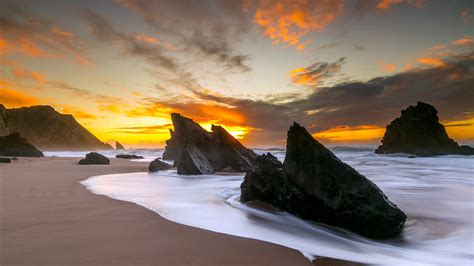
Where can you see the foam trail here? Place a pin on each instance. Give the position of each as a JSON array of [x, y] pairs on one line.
[[436, 193]]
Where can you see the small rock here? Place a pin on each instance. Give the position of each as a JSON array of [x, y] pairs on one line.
[[95, 158], [5, 160], [158, 165], [128, 156]]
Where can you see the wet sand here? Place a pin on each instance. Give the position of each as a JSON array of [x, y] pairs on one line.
[[47, 217]]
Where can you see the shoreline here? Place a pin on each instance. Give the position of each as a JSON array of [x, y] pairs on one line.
[[48, 217]]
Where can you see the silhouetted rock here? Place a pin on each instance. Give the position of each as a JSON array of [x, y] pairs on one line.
[[94, 158], [235, 155], [15, 145], [197, 151], [418, 131], [5, 160], [128, 156], [47, 129], [314, 184], [158, 165], [119, 146]]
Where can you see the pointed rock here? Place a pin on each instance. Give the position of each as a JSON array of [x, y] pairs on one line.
[[119, 146], [314, 184], [193, 148], [418, 131], [15, 145]]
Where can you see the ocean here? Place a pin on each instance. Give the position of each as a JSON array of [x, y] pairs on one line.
[[436, 193]]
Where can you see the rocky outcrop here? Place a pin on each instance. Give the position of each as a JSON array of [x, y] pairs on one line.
[[47, 129], [5, 160], [15, 145], [197, 151], [158, 165], [94, 158], [128, 156], [418, 131], [314, 184], [119, 146]]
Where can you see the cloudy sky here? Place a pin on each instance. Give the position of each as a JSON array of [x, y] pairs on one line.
[[344, 69]]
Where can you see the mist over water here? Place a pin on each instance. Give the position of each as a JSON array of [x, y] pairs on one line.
[[436, 193]]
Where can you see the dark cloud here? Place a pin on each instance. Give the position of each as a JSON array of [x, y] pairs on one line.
[[206, 29], [102, 30], [318, 73]]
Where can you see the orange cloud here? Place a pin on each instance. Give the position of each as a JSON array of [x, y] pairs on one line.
[[467, 40], [21, 73], [346, 133], [299, 76], [14, 98], [25, 46], [436, 62], [387, 4], [438, 47], [288, 21], [78, 113], [146, 38], [387, 67]]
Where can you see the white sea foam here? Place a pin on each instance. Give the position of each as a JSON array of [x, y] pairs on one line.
[[148, 154], [436, 193]]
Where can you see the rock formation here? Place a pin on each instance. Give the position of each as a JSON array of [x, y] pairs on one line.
[[197, 151], [128, 156], [94, 158], [5, 160], [47, 129], [314, 184], [418, 131], [119, 146], [158, 165], [15, 145]]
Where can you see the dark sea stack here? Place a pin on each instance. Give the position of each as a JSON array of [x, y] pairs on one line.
[[15, 145], [234, 153], [197, 151], [47, 129], [119, 146], [94, 158], [418, 131], [5, 160], [128, 156], [158, 165], [314, 184]]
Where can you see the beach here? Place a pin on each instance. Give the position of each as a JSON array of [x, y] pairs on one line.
[[48, 217]]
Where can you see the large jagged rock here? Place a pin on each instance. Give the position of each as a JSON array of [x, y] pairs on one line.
[[15, 145], [47, 129], [235, 155], [314, 184], [158, 165], [197, 151], [119, 146], [94, 158], [418, 131]]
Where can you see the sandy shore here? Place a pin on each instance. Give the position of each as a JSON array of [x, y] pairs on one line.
[[47, 217]]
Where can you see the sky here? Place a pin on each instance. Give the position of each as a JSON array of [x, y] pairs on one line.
[[343, 69]]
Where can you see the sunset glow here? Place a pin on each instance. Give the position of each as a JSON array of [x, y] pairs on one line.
[[344, 67]]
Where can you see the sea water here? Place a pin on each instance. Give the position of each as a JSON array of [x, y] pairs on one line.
[[436, 193]]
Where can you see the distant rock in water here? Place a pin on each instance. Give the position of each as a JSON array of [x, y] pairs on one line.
[[94, 158], [418, 131], [119, 146], [128, 156], [47, 129], [5, 160], [158, 165], [15, 145], [314, 184], [197, 151]]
